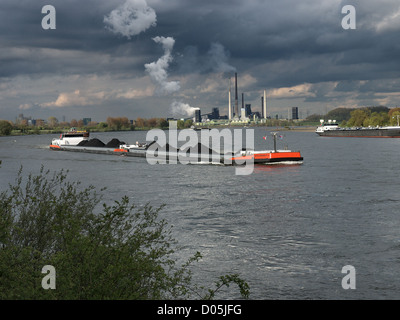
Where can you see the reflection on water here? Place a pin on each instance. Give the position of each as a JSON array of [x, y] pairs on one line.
[[287, 229], [275, 168]]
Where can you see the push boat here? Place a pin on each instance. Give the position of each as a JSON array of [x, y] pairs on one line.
[[199, 154], [332, 129], [69, 138], [274, 156]]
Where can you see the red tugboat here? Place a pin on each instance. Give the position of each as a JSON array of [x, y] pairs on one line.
[[270, 156]]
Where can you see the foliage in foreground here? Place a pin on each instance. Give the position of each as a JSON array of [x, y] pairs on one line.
[[122, 252], [5, 128]]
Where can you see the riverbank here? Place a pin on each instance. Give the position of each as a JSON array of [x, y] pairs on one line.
[[268, 128], [22, 132]]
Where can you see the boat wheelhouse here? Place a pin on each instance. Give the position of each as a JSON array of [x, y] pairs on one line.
[[70, 138]]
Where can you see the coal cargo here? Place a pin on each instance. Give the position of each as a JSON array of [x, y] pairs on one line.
[[114, 143], [91, 143]]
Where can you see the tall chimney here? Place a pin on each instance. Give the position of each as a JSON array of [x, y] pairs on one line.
[[236, 97], [262, 107], [265, 105], [230, 104]]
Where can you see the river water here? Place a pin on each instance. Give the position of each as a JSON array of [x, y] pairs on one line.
[[287, 230]]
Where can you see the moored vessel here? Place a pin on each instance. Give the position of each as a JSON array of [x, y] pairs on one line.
[[332, 129]]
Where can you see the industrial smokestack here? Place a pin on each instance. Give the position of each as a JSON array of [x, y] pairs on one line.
[[230, 104], [242, 112], [236, 97], [265, 105], [262, 107]]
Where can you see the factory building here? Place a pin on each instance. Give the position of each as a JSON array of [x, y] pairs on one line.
[[197, 115], [248, 110], [295, 113]]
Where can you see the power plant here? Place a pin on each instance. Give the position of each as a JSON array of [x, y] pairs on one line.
[[238, 114], [235, 115]]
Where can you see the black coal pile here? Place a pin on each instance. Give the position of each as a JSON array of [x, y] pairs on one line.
[[200, 149], [91, 143], [167, 147], [114, 143]]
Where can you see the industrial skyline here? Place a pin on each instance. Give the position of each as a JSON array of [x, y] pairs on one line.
[[235, 115], [166, 58]]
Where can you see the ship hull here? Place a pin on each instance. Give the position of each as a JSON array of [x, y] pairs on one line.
[[257, 158], [271, 157]]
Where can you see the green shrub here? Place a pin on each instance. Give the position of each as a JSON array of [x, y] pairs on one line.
[[121, 252]]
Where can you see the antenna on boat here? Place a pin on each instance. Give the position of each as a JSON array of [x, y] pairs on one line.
[[274, 134]]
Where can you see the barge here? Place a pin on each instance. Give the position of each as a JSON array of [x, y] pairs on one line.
[[199, 154]]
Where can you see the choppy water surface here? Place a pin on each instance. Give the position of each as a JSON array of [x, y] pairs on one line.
[[287, 230]]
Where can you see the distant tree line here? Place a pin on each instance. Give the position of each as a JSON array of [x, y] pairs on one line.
[[360, 117], [111, 124], [5, 128]]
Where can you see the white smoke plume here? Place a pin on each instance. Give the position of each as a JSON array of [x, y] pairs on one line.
[[180, 108], [218, 58], [131, 18], [158, 70]]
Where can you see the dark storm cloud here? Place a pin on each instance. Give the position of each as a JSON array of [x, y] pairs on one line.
[[306, 34], [250, 31], [275, 44], [80, 43]]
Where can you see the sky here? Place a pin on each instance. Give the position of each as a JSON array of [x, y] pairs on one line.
[[163, 58]]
